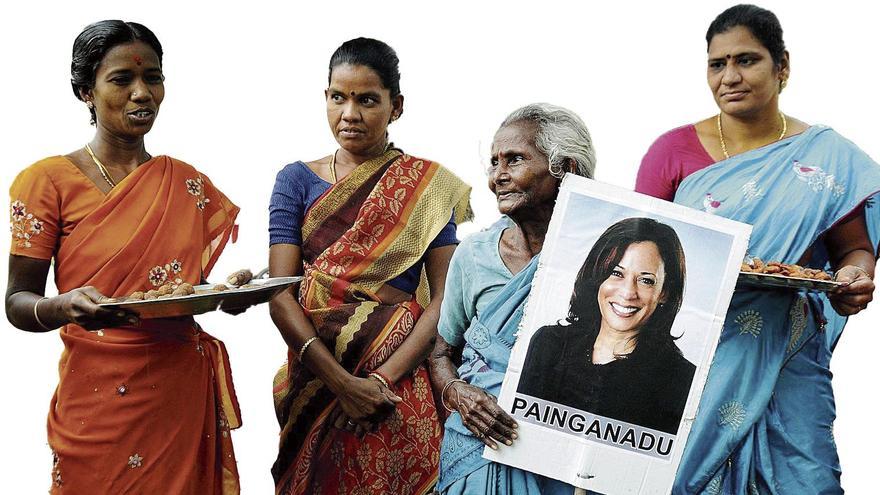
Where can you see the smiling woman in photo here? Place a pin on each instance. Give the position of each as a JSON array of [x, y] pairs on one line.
[[615, 355]]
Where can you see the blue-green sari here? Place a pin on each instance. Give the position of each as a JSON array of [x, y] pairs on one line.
[[488, 341], [765, 419]]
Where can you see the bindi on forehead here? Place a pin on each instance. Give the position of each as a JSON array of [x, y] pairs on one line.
[[138, 60]]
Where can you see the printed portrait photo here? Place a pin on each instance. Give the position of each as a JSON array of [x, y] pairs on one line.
[[615, 354], [622, 321]]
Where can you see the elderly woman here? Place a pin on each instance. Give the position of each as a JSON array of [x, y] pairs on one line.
[[615, 355], [354, 400], [489, 278], [141, 406], [765, 420]]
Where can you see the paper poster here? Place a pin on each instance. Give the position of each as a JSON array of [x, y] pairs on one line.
[[618, 334]]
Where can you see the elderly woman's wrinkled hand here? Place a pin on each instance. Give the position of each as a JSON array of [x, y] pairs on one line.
[[856, 294], [481, 414]]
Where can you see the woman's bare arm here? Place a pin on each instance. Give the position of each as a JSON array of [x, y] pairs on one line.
[[443, 364], [479, 409], [362, 400], [26, 288], [852, 257], [419, 343]]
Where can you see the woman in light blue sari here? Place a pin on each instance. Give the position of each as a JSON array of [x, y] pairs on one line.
[[765, 419], [489, 278]]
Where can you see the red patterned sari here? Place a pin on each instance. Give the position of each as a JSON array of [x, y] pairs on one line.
[[137, 410], [367, 229]]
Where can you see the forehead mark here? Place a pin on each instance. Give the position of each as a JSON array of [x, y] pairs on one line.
[[138, 60]]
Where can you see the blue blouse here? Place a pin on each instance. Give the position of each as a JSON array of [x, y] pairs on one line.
[[296, 189]]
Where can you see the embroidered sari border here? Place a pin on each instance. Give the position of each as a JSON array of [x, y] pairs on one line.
[[402, 222], [386, 239], [338, 194], [405, 248], [354, 324], [224, 384]]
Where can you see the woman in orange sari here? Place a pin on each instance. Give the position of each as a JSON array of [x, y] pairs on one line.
[[370, 227], [142, 406]]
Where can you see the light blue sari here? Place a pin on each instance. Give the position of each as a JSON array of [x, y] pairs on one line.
[[765, 419], [488, 342]]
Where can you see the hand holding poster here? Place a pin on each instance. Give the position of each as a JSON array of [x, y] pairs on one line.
[[617, 338]]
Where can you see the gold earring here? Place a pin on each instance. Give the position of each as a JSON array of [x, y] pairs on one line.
[[782, 84], [90, 105]]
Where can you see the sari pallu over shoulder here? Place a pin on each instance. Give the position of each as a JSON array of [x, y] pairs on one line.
[[375, 223], [488, 342], [145, 409], [754, 432], [365, 230], [163, 211]]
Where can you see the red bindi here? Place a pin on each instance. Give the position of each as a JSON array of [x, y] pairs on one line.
[[138, 60]]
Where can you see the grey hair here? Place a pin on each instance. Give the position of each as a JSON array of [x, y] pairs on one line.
[[561, 135]]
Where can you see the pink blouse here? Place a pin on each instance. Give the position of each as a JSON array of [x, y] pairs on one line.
[[671, 158]]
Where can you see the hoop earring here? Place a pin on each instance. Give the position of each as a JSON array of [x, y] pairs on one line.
[[557, 171]]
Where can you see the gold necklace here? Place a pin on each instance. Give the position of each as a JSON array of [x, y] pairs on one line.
[[333, 168], [721, 134], [101, 168]]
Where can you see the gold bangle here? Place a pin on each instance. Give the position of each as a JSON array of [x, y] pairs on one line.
[[37, 316], [305, 346], [378, 376], [443, 393]]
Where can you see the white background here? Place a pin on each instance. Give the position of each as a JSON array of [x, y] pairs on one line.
[[244, 96]]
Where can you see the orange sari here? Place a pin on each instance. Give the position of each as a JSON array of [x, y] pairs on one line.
[[137, 410], [365, 230]]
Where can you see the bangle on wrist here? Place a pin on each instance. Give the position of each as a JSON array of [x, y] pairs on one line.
[[384, 380], [305, 347], [37, 316], [443, 393]]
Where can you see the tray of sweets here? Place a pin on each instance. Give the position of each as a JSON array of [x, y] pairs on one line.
[[203, 299]]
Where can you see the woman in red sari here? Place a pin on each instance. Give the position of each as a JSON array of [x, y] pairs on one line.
[[142, 406], [372, 229]]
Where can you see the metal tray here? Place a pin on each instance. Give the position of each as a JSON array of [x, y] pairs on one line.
[[196, 304], [766, 280]]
